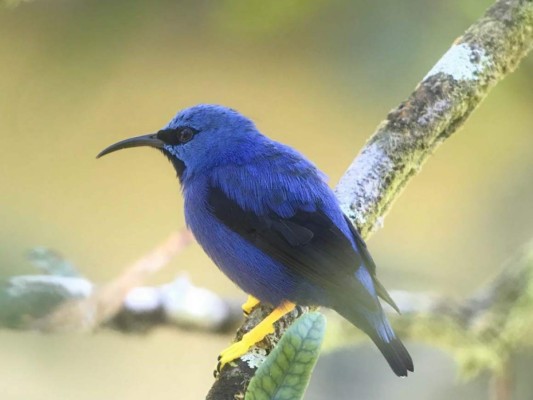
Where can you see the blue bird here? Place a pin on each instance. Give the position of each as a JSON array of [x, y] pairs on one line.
[[267, 218]]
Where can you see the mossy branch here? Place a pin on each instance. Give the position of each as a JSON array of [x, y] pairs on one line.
[[481, 331], [487, 52]]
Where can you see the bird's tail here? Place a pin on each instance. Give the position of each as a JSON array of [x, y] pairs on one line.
[[396, 355], [375, 325]]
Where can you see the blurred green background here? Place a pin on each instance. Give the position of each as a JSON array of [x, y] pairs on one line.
[[78, 75]]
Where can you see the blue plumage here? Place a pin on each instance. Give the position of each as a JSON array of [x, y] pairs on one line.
[[269, 221]]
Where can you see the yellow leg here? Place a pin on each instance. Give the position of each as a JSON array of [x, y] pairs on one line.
[[249, 305], [257, 334]]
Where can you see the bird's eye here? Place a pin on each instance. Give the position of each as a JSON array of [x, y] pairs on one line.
[[176, 136], [185, 134]]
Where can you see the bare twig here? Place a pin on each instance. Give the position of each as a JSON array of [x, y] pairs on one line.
[[501, 385]]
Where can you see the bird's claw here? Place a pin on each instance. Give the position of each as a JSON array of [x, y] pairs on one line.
[[258, 333], [299, 311], [230, 354], [250, 304]]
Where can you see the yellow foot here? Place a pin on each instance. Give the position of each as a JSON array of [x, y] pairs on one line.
[[249, 305], [258, 333]]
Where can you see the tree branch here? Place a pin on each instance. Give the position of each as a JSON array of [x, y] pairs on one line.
[[485, 54], [488, 51]]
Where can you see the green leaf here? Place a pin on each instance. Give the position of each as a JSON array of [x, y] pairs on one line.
[[286, 372]]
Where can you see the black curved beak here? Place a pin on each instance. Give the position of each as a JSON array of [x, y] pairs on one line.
[[149, 140]]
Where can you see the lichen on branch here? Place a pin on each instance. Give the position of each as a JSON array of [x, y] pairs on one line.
[[487, 52]]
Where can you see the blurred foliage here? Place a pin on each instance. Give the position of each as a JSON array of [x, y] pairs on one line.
[[13, 3], [260, 18]]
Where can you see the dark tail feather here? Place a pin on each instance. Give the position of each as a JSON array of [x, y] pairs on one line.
[[396, 355], [375, 325], [382, 292]]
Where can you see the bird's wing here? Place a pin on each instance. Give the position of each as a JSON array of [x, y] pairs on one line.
[[308, 243]]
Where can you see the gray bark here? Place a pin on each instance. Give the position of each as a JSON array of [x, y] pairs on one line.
[[487, 52]]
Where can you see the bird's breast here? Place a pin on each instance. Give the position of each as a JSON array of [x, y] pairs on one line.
[[252, 270]]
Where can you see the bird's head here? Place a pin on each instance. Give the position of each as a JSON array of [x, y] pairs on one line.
[[199, 137]]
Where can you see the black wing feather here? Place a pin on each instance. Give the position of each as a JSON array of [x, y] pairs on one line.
[[308, 244], [371, 265]]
